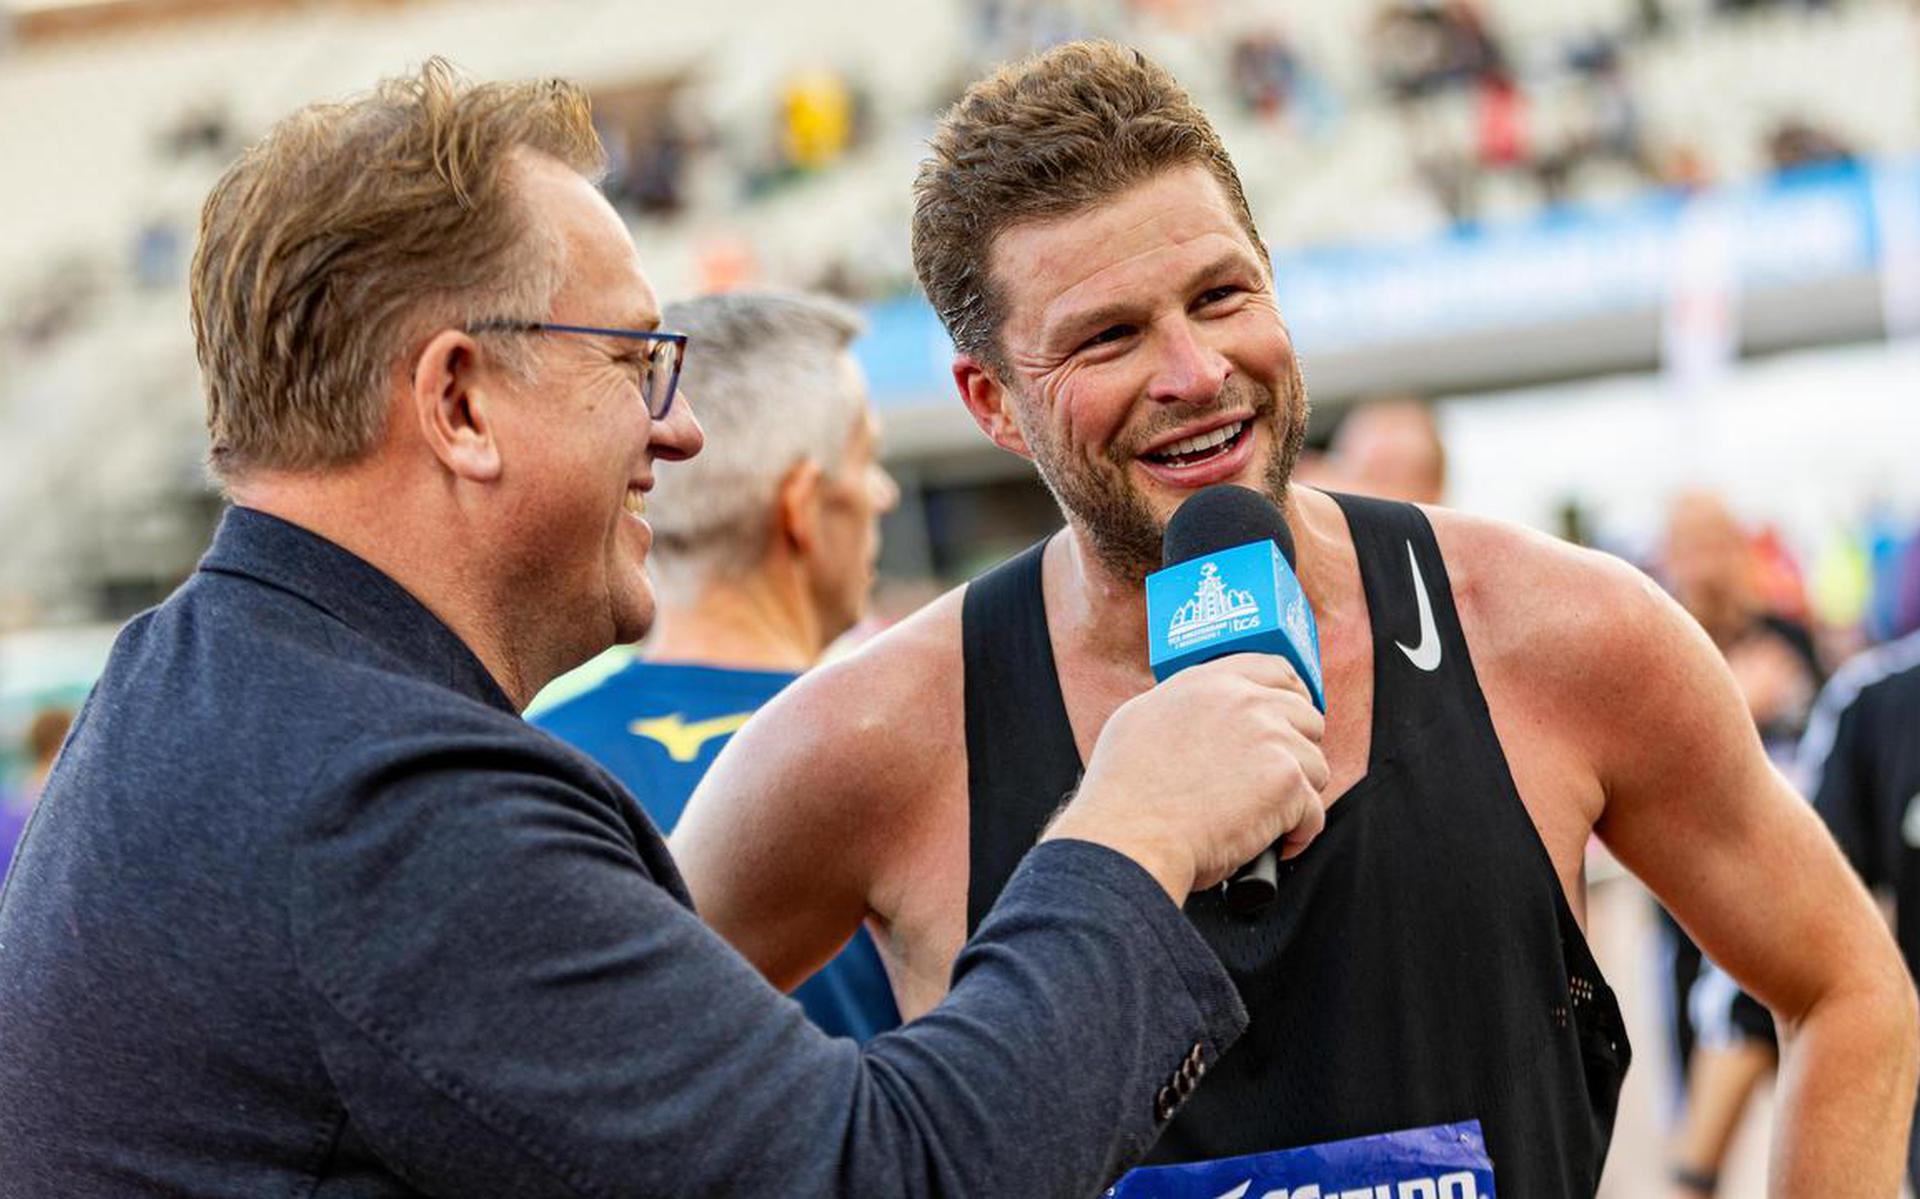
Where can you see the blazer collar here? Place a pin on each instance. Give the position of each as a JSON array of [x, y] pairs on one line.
[[280, 554]]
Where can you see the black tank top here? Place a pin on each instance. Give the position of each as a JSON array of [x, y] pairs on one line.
[[1421, 965]]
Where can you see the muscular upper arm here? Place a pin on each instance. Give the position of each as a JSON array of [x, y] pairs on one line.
[[794, 828], [1693, 806]]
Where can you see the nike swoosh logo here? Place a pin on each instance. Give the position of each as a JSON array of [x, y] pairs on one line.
[[1237, 1192], [1426, 655], [683, 741]]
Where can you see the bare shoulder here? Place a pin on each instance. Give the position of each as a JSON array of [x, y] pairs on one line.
[[1562, 615], [894, 707], [1582, 656]]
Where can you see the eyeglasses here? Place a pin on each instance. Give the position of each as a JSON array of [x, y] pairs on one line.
[[659, 365]]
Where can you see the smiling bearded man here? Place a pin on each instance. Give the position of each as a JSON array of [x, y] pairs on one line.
[[1495, 698]]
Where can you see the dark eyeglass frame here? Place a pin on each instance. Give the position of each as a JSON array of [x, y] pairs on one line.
[[678, 342]]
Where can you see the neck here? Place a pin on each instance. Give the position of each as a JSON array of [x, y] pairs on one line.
[[758, 622], [368, 510], [1106, 612]]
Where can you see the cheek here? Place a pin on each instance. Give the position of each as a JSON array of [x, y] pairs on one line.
[[1087, 416], [1263, 341]]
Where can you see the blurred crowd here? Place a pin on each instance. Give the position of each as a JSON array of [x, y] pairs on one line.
[[1491, 126]]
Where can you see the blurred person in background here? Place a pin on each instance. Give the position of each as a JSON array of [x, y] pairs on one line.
[[1709, 562], [1495, 697], [45, 734], [763, 555], [1860, 761], [1390, 448], [306, 906]]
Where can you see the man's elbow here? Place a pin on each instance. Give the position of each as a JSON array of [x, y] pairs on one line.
[[1903, 1027], [1879, 1009]]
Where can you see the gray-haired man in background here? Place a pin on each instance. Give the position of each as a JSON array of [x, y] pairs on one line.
[[763, 554]]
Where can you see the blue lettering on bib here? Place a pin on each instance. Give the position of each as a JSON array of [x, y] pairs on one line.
[[1446, 1161]]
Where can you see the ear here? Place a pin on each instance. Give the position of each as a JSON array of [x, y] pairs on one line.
[[797, 507], [452, 393], [989, 402]]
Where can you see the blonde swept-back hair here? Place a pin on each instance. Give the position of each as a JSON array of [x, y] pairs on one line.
[[352, 230], [1047, 137]]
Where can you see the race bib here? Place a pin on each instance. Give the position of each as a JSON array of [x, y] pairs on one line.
[[1446, 1161]]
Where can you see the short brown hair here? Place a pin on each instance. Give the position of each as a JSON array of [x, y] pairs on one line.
[[1054, 135], [346, 232]]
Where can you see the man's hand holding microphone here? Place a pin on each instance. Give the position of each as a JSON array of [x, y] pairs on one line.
[[1202, 775]]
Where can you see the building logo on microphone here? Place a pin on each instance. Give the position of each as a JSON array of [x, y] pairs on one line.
[[1214, 610]]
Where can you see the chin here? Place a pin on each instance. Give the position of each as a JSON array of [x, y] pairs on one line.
[[632, 609]]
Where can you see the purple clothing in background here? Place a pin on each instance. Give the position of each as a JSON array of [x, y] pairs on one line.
[[1906, 591], [13, 821]]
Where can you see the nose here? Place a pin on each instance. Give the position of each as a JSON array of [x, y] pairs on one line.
[[1186, 369], [679, 436], [886, 492]]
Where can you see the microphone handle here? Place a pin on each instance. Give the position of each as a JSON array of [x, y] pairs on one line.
[[1253, 886]]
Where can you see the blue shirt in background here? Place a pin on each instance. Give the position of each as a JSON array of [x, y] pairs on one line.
[[658, 727]]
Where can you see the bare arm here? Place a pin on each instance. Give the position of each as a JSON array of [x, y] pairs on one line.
[[782, 842], [1695, 809]]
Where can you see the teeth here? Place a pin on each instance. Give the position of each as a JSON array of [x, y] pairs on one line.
[[635, 502], [1205, 441]]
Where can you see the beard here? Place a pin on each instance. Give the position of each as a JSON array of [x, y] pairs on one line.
[[1120, 527]]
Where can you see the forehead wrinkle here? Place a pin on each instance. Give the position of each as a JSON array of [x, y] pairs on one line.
[[1060, 314]]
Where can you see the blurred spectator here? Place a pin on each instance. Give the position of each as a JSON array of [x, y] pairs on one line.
[[726, 262], [1612, 117], [204, 130], [158, 255], [1796, 142], [1725, 6], [1421, 47], [1683, 168], [1860, 762], [1010, 29], [1893, 564], [1390, 448], [1711, 566], [654, 182], [1905, 586], [818, 118], [46, 732], [1453, 182], [1502, 121], [1264, 69]]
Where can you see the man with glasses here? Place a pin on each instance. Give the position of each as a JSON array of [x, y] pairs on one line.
[[763, 555], [308, 909]]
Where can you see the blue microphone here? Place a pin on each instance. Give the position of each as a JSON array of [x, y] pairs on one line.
[[1226, 586]]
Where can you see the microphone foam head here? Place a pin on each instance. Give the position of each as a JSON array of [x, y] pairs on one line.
[[1220, 517]]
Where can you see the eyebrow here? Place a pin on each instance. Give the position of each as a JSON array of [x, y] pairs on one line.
[[1123, 311]]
